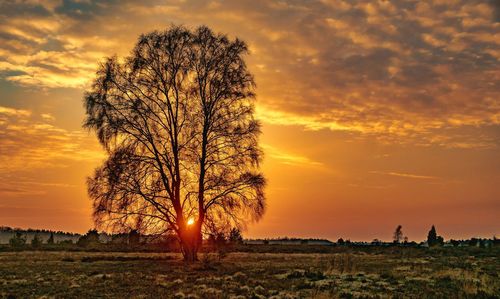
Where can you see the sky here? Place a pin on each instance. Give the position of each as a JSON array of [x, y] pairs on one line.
[[374, 113]]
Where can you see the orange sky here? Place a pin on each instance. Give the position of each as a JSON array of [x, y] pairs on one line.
[[375, 113]]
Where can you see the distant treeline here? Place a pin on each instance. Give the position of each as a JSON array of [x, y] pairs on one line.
[[41, 235], [31, 230], [29, 239], [33, 239], [288, 241]]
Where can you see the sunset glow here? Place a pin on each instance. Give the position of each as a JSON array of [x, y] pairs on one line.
[[373, 113]]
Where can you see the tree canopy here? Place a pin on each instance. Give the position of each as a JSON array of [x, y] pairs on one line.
[[398, 234], [176, 118]]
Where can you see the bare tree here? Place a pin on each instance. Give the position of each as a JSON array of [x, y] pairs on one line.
[[398, 234], [176, 118]]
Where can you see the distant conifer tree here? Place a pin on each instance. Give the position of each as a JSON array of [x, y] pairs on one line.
[[432, 237]]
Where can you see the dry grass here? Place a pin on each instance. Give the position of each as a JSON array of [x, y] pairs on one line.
[[247, 275]]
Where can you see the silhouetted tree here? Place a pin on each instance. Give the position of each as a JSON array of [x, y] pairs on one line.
[[176, 118], [36, 242], [120, 238], [218, 243], [235, 236], [50, 240], [398, 234], [433, 239], [217, 239], [18, 240], [90, 238], [340, 241]]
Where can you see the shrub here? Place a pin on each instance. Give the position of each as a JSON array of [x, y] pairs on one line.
[[36, 242], [51, 239], [90, 238], [18, 240], [217, 243], [235, 236]]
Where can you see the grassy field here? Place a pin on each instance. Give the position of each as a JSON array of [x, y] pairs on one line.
[[395, 274]]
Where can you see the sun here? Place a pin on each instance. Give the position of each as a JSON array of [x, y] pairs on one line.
[[190, 221]]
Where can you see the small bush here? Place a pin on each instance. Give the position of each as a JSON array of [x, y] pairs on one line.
[[17, 241], [36, 242]]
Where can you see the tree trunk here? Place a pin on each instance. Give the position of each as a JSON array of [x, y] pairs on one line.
[[190, 253], [190, 241]]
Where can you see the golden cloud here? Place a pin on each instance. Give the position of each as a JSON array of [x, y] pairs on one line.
[[404, 71], [32, 142], [288, 158]]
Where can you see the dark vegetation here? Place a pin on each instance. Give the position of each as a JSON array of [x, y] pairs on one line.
[[364, 272], [223, 243]]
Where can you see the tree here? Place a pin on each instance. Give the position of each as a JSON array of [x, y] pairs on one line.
[[120, 238], [50, 240], [235, 236], [217, 242], [18, 240], [90, 238], [440, 241], [176, 119], [433, 239], [398, 234], [36, 242]]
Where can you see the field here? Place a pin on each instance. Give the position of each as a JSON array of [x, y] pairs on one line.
[[402, 273]]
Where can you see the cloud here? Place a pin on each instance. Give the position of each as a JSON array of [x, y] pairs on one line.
[[31, 145], [47, 116], [33, 142], [403, 71], [288, 158], [10, 186], [406, 175], [313, 123], [496, 9], [12, 112], [84, 10]]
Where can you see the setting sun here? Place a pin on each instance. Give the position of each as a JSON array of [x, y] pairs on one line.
[[190, 221]]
